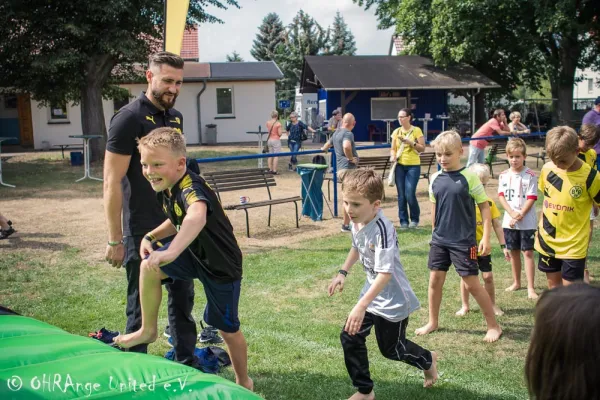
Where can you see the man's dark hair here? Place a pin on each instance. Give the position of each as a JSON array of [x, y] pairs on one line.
[[165, 58], [497, 112]]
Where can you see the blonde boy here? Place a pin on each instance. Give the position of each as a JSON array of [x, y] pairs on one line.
[[517, 193], [386, 300], [484, 262], [452, 192], [203, 247], [570, 188]]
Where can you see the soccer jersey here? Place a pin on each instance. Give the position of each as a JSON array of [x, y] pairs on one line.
[[568, 196], [517, 188], [589, 157], [215, 247], [453, 193], [377, 245], [495, 214]]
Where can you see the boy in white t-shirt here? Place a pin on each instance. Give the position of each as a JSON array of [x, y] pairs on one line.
[[517, 193]]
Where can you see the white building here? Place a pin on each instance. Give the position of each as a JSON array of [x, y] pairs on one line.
[[588, 87]]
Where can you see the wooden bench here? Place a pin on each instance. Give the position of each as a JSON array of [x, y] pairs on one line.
[[244, 179], [427, 160], [492, 157], [377, 163], [66, 146], [539, 156]]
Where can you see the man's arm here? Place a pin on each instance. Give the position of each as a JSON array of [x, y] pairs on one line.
[[347, 146], [115, 168]]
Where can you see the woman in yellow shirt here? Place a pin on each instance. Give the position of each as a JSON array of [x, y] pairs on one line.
[[407, 143]]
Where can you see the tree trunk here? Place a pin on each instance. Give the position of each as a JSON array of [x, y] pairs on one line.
[[97, 72], [569, 52], [480, 113]]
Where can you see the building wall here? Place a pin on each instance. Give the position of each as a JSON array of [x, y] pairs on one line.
[[9, 118], [581, 90], [253, 103]]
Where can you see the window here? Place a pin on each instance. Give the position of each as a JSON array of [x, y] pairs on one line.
[[590, 85], [225, 102], [59, 114], [10, 101]]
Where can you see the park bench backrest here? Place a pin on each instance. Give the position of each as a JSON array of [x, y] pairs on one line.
[[227, 181]]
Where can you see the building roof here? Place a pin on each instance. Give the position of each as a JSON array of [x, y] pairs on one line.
[[231, 71], [387, 73], [189, 47], [397, 45]]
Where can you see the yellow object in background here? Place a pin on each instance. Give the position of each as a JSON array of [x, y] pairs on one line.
[[176, 16]]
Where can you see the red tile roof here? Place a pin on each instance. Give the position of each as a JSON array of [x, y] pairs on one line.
[[189, 48]]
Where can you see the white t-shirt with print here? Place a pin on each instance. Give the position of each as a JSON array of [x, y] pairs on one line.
[[517, 188]]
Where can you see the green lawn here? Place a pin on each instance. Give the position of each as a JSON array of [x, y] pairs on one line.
[[293, 328]]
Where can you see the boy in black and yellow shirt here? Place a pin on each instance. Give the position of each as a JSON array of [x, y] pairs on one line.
[[203, 246], [570, 188]]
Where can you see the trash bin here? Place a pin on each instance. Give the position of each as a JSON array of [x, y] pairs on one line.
[[312, 195], [210, 136], [76, 158]]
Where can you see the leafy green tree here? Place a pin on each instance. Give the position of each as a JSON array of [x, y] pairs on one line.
[[341, 41], [234, 57], [65, 50], [271, 33]]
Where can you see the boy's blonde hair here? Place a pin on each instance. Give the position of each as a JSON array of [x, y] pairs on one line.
[[514, 114], [590, 134], [447, 140], [364, 182], [165, 137], [561, 141], [481, 170], [516, 144]]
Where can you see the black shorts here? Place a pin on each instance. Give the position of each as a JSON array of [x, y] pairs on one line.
[[519, 239], [571, 270], [464, 260], [485, 263], [222, 299]]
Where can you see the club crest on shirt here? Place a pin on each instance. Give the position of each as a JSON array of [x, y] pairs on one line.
[[576, 191], [178, 210]]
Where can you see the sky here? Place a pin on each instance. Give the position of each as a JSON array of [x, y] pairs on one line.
[[241, 26]]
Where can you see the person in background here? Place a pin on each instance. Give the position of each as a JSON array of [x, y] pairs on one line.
[[592, 117], [496, 124], [295, 128], [516, 126], [274, 140]]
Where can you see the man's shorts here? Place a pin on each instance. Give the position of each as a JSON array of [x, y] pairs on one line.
[[571, 270], [485, 263], [464, 260], [222, 299], [519, 239]]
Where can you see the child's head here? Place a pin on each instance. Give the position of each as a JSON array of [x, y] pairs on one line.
[[482, 171], [448, 149], [564, 350], [362, 190], [562, 146], [588, 136], [516, 152], [162, 154]]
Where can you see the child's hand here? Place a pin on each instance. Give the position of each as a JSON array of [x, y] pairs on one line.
[[506, 254], [337, 281], [145, 248], [355, 319], [157, 259], [512, 223], [484, 247]]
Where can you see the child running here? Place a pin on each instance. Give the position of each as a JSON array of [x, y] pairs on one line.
[[484, 262], [203, 246], [386, 300], [517, 193], [452, 192]]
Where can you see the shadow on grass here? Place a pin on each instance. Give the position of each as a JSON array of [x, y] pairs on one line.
[[18, 242]]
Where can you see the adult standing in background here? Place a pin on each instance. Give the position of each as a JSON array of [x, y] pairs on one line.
[[407, 143], [345, 154], [496, 124], [130, 202], [274, 141], [295, 128], [592, 117]]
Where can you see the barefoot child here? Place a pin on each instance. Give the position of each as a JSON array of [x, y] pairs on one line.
[[570, 188], [484, 262], [452, 192], [386, 299], [203, 247], [588, 137], [517, 193]]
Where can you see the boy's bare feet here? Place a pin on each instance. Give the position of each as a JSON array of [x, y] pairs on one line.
[[462, 312], [531, 294], [513, 287], [424, 330], [431, 375], [497, 311], [360, 396], [493, 334], [249, 384], [135, 338]]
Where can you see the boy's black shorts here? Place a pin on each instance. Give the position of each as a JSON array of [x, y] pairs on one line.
[[464, 259], [571, 270], [519, 239], [222, 299], [485, 263]]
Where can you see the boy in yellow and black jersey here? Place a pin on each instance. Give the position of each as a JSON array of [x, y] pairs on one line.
[[570, 187]]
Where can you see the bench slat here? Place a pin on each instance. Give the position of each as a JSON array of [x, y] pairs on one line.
[[219, 187], [262, 203]]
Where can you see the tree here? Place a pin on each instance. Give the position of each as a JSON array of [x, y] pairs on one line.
[[234, 57], [513, 42], [271, 33], [67, 50], [341, 42]]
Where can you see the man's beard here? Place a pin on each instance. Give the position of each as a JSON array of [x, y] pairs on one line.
[[158, 96]]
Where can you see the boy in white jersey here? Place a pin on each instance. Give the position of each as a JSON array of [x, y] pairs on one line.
[[517, 193], [386, 299]]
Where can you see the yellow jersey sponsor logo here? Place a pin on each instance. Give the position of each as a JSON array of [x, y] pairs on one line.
[[558, 207], [150, 118], [176, 120]]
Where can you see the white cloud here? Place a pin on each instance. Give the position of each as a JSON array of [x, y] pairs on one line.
[[241, 25]]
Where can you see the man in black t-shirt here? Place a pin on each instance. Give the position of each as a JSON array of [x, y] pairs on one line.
[[128, 195]]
